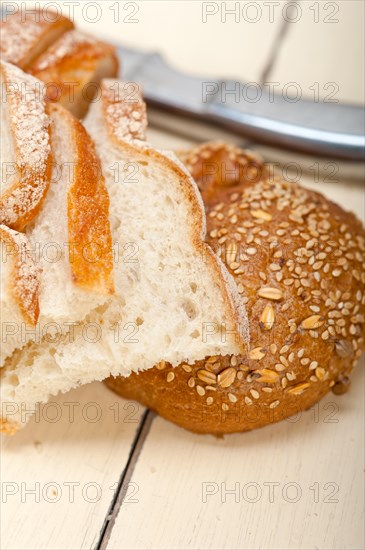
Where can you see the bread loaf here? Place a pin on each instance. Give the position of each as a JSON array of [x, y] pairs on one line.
[[298, 259], [24, 37], [69, 62], [174, 300], [73, 67]]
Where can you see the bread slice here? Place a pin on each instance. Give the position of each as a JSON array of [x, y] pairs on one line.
[[73, 67], [25, 36], [25, 147], [156, 205], [174, 300], [71, 235], [19, 282], [71, 240]]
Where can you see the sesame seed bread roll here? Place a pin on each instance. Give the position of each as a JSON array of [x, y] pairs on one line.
[[298, 260], [73, 67], [26, 36], [19, 293], [25, 147]]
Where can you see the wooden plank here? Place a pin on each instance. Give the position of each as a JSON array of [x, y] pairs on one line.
[[291, 485], [50, 456]]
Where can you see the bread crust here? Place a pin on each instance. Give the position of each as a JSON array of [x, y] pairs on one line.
[[126, 121], [300, 260], [30, 134], [23, 38], [89, 234], [70, 65], [25, 274]]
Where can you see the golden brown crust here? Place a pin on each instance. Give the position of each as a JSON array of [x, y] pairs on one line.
[[89, 232], [24, 37], [299, 259], [69, 62], [124, 113], [28, 127], [25, 275], [70, 68]]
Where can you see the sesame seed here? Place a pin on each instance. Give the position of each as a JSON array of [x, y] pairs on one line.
[[273, 348], [232, 398], [200, 390], [170, 377], [187, 368]]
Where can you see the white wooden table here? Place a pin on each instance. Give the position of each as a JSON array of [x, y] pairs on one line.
[[95, 471]]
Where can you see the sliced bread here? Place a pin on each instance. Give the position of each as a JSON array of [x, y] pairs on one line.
[[174, 300], [25, 146], [19, 280], [24, 36], [73, 67]]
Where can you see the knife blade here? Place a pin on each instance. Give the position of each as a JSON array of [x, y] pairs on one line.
[[333, 130]]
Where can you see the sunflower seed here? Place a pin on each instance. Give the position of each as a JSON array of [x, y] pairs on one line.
[[314, 321], [207, 376], [227, 377], [268, 317], [262, 215], [267, 375], [299, 389], [256, 354], [270, 293]]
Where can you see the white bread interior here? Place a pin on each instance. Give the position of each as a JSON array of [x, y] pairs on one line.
[[174, 300], [19, 291]]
